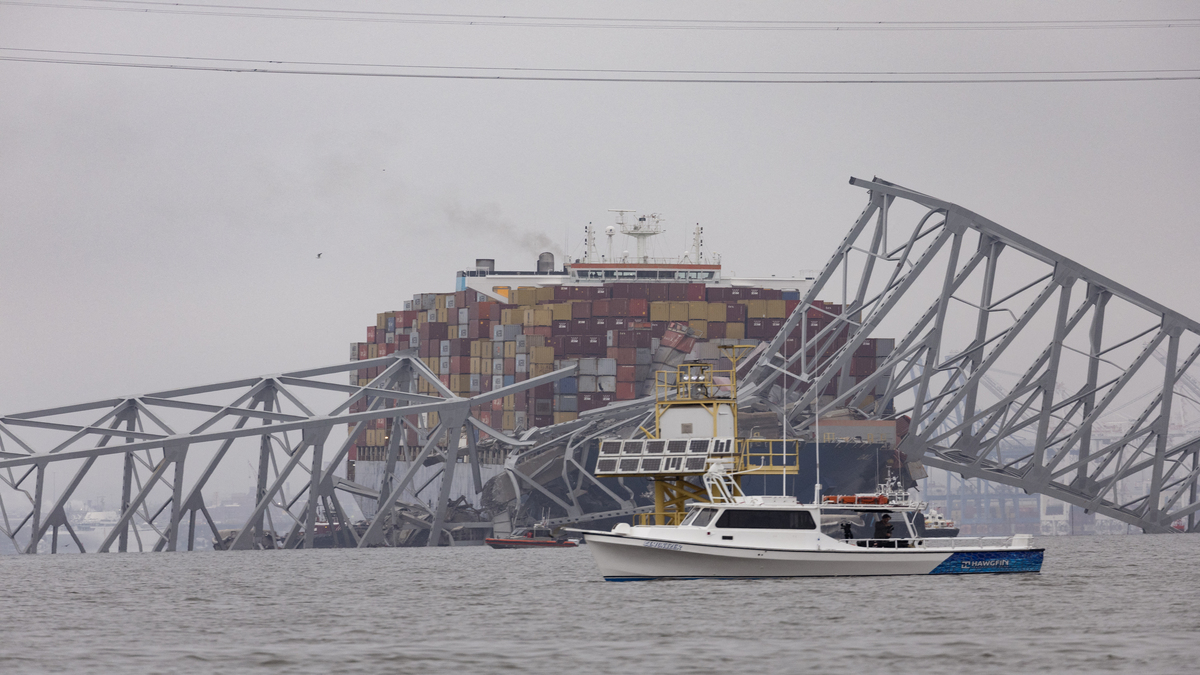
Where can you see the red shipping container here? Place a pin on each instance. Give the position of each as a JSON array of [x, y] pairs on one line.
[[594, 345], [562, 293], [695, 292], [581, 327], [625, 391], [600, 307], [460, 365], [485, 416], [600, 325], [658, 329], [639, 307], [617, 290], [370, 334], [510, 366], [618, 323], [607, 397], [560, 328], [735, 312], [658, 292], [715, 294], [754, 294], [363, 353], [581, 310], [626, 373], [389, 349], [626, 356], [640, 291], [677, 292], [756, 329], [716, 330], [544, 391], [544, 331], [734, 294], [790, 306], [617, 306], [573, 345]]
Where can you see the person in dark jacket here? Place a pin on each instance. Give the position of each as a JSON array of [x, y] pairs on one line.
[[883, 527]]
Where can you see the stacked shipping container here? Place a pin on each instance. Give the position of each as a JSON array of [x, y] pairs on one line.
[[477, 345]]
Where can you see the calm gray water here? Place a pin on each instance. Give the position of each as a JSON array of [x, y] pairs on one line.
[[1101, 604]]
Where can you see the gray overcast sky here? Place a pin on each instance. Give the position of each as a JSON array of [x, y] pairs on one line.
[[160, 227]]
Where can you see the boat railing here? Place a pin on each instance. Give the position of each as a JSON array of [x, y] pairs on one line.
[[669, 517], [933, 542]]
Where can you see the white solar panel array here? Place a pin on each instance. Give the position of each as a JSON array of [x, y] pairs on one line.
[[643, 457]]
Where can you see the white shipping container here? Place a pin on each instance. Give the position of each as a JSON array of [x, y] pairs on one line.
[[587, 383], [606, 367], [408, 305], [414, 340], [476, 380], [522, 363], [464, 315], [606, 382], [497, 382], [444, 348], [462, 332], [353, 351], [431, 315], [444, 365], [498, 367], [587, 367]]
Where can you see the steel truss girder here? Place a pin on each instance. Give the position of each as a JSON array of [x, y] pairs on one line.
[[1146, 477], [155, 454]]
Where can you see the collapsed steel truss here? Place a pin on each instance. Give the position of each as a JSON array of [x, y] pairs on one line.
[[972, 300], [158, 494], [906, 268]]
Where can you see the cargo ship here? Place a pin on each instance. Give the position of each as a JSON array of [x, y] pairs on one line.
[[619, 317]]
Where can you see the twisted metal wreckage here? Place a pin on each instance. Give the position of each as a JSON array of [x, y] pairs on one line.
[[970, 298]]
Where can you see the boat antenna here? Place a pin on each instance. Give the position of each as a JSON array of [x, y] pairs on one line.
[[817, 421], [783, 415]]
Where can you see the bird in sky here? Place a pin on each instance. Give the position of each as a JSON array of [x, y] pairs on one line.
[[319, 255]]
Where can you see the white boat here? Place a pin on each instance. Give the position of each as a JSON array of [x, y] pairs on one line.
[[727, 534], [735, 536]]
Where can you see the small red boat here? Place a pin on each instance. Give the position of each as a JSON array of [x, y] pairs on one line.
[[531, 537]]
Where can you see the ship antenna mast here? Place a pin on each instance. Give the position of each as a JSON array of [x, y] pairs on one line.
[[641, 230]]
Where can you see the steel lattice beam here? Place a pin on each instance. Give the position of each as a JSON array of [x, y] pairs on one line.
[[971, 299], [161, 490]]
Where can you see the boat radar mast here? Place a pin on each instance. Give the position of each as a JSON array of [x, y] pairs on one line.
[[641, 229]]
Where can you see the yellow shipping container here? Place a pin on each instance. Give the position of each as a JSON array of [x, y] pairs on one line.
[[701, 328], [542, 356], [545, 294], [475, 349], [510, 349], [660, 311], [560, 417], [697, 310], [439, 301], [561, 311], [532, 341], [443, 315], [735, 331], [475, 365], [536, 369], [679, 311], [542, 317], [381, 320], [776, 309], [510, 402], [372, 351], [716, 311], [508, 420], [507, 316], [756, 309], [526, 296]]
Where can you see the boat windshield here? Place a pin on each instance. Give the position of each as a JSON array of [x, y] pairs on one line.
[[699, 517], [767, 519]]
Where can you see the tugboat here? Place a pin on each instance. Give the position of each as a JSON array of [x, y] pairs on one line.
[[724, 533], [537, 536]]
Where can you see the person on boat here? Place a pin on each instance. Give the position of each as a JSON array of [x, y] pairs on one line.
[[884, 527], [847, 532]]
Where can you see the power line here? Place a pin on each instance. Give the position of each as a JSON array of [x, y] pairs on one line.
[[280, 67], [534, 21], [624, 71]]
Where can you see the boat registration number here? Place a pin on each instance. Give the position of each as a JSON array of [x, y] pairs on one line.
[[662, 544]]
